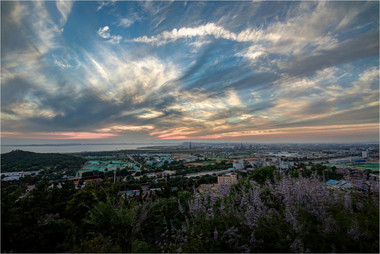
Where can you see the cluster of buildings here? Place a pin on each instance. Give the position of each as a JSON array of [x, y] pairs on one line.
[[350, 160], [251, 164], [162, 157], [354, 180], [341, 184], [152, 174], [105, 166], [311, 151], [157, 161], [148, 162], [15, 176], [348, 185], [145, 190], [242, 157]]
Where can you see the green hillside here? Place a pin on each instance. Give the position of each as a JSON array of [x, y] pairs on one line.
[[27, 161]]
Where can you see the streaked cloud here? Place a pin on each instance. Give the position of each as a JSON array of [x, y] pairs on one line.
[[209, 29], [118, 128], [151, 114], [205, 70], [102, 4]]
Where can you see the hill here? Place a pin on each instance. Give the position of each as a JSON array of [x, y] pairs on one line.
[[19, 160]]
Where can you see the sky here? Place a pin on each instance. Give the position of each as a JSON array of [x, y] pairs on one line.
[[269, 71]]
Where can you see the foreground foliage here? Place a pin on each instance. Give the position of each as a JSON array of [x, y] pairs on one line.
[[277, 213]]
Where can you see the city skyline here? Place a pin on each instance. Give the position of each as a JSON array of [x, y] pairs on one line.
[[189, 71]]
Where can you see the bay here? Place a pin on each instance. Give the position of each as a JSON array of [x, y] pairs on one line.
[[74, 148]]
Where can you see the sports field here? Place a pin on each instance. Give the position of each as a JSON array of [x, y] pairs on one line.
[[370, 166]]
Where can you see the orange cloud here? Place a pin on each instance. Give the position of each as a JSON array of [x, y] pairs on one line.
[[119, 128], [285, 132], [175, 133], [9, 133], [59, 135]]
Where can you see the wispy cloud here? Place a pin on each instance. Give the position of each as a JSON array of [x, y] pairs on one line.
[[62, 62], [103, 4], [105, 33], [115, 39], [125, 22], [209, 29], [64, 8]]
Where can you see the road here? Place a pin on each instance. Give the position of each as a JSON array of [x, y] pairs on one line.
[[137, 163], [209, 173]]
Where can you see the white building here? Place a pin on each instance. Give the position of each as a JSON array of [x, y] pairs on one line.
[[168, 172], [267, 163], [238, 164], [286, 164], [19, 174]]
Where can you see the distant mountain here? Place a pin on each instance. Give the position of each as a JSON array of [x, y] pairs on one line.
[[19, 160]]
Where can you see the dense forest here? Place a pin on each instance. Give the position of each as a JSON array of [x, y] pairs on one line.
[[267, 211], [19, 160]]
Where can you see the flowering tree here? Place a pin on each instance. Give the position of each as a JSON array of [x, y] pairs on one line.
[[286, 215]]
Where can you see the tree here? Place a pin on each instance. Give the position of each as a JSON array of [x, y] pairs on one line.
[[118, 220], [263, 174]]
